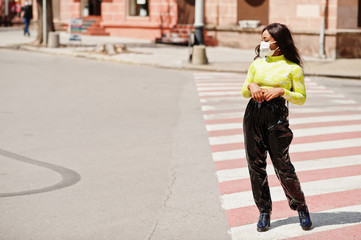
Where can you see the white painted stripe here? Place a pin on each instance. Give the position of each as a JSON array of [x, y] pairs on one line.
[[297, 133], [286, 228], [236, 106], [294, 148], [220, 79], [225, 126], [228, 155], [345, 101], [325, 109], [315, 146], [216, 84], [314, 86], [326, 130], [217, 74], [244, 199], [235, 87], [214, 127], [227, 99], [219, 84], [219, 88], [293, 120], [228, 93], [325, 119], [326, 96], [241, 106], [226, 139], [320, 91], [223, 116], [323, 163]]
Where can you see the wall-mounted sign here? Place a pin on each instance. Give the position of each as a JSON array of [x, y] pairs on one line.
[[75, 29]]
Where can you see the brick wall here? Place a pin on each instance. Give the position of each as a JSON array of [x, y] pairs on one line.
[[307, 14], [160, 12], [211, 9], [220, 12], [162, 16], [227, 12], [347, 13], [297, 14]]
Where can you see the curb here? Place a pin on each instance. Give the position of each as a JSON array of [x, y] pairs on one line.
[[185, 66]]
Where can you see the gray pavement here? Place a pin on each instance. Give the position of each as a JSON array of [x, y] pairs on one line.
[[144, 52], [116, 151]]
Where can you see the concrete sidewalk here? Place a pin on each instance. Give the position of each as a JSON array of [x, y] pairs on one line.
[[145, 52]]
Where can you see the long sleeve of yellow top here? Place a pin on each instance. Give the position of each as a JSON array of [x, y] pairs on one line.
[[277, 72]]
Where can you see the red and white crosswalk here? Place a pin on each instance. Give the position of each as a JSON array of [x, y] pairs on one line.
[[326, 152]]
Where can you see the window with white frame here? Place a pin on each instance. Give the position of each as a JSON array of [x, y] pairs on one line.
[[138, 8]]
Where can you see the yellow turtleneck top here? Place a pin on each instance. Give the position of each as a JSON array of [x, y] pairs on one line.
[[277, 71]]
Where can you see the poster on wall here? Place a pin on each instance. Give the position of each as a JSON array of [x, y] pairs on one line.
[[75, 29]]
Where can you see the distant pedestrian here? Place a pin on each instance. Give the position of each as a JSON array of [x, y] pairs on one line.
[[27, 16], [274, 77]]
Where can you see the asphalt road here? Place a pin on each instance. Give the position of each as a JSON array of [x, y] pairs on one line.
[[99, 150], [96, 150]]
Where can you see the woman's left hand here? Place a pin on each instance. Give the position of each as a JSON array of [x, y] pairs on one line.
[[272, 93]]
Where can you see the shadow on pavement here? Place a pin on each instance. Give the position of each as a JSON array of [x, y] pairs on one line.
[[323, 219]]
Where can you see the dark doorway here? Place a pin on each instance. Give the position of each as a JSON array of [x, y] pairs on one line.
[[253, 10], [95, 7], [186, 10]]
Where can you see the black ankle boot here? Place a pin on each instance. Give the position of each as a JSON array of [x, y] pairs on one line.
[[305, 219], [264, 222]]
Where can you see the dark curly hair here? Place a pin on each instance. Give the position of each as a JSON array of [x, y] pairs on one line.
[[284, 39]]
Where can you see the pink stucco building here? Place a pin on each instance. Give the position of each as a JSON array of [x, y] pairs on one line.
[[172, 20]]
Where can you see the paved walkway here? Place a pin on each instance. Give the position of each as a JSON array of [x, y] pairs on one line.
[[145, 52]]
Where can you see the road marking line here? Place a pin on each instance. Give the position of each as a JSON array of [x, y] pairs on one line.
[[322, 163], [242, 185], [226, 126], [244, 199], [288, 227]]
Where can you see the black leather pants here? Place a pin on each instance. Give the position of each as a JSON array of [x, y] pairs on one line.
[[265, 127]]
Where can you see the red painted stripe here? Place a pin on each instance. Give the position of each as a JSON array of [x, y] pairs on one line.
[[301, 156], [344, 233], [224, 111], [224, 121], [227, 147], [325, 124], [229, 164], [210, 82], [328, 153], [247, 215], [225, 102], [227, 132], [323, 114], [230, 132], [326, 137], [304, 176], [296, 140], [233, 85], [300, 115]]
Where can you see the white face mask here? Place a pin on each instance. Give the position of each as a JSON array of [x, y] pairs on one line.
[[265, 50]]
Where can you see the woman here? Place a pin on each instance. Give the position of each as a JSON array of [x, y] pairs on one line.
[[274, 77]]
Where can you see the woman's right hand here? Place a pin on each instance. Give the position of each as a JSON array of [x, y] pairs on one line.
[[256, 91]]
